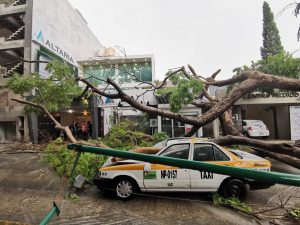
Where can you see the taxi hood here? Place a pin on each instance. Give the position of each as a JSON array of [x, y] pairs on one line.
[[110, 162], [246, 155]]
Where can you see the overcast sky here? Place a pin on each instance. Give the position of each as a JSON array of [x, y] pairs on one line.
[[209, 34]]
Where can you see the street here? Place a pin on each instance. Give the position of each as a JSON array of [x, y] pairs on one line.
[[28, 189]]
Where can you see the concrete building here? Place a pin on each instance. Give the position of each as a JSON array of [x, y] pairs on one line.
[[124, 71], [279, 110], [127, 72], [36, 30]]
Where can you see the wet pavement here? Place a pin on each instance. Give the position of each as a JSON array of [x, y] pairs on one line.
[[28, 188]]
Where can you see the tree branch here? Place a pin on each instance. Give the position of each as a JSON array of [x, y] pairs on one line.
[[97, 90], [228, 124], [83, 93], [280, 148], [292, 161], [40, 94], [233, 80], [211, 78], [57, 124]]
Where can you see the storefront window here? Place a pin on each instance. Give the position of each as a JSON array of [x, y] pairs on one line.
[[179, 128], [175, 128], [98, 73], [132, 72], [166, 124]]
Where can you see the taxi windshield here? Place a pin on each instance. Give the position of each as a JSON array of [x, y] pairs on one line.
[[236, 154]]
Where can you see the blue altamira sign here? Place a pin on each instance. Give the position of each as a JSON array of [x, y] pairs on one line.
[[46, 42]]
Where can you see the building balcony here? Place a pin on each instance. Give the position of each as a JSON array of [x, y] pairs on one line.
[[6, 72], [11, 9], [10, 3], [4, 45]]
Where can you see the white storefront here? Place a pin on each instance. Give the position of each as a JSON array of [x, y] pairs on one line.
[[279, 110]]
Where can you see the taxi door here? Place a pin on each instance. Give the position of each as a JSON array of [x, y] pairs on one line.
[[204, 180], [158, 176]]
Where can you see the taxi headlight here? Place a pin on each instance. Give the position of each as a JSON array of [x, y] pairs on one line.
[[101, 174], [98, 174]]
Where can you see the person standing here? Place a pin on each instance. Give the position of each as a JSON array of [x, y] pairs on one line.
[[84, 129], [74, 128], [90, 129]]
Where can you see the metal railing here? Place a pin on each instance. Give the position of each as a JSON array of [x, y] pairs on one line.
[[50, 214]]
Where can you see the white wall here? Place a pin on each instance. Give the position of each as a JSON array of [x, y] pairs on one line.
[[63, 26]]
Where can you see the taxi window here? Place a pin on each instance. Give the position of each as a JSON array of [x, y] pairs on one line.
[[203, 152], [209, 152], [179, 151], [219, 155]]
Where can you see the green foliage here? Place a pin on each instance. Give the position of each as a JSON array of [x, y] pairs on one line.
[[294, 212], [142, 122], [183, 93], [73, 197], [166, 90], [282, 64], [159, 136], [62, 160], [55, 91], [274, 59], [271, 39], [124, 136], [231, 202]]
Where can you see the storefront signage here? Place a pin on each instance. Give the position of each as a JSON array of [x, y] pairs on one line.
[[52, 46], [273, 95]]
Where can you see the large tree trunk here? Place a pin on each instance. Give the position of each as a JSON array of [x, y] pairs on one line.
[[290, 152], [295, 162], [223, 127], [228, 124]]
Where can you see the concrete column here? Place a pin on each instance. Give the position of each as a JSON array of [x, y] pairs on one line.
[[216, 128], [200, 132], [32, 117], [94, 115], [172, 126], [26, 129], [237, 114], [33, 127], [28, 36], [159, 128]]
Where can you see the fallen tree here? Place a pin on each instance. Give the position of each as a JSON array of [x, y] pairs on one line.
[[243, 83], [188, 88]]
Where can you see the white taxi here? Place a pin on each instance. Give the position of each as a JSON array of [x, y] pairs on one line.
[[127, 177]]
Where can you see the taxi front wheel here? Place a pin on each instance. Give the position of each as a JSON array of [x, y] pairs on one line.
[[125, 188], [235, 188]]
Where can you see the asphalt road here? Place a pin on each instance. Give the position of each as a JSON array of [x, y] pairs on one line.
[[28, 188]]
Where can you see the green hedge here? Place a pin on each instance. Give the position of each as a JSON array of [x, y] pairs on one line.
[[62, 160]]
